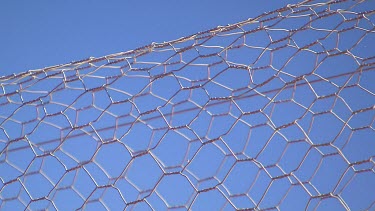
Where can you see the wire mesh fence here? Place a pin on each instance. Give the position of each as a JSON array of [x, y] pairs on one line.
[[272, 113]]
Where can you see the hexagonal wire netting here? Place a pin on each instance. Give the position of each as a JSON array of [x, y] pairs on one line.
[[272, 113]]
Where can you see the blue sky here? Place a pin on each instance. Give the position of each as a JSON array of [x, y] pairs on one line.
[[318, 129], [45, 33]]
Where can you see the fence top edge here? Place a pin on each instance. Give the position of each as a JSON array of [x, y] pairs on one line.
[[154, 45]]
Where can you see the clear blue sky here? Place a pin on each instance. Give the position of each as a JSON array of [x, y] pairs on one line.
[[37, 34], [321, 109]]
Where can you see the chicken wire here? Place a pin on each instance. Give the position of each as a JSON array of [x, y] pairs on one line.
[[272, 113]]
